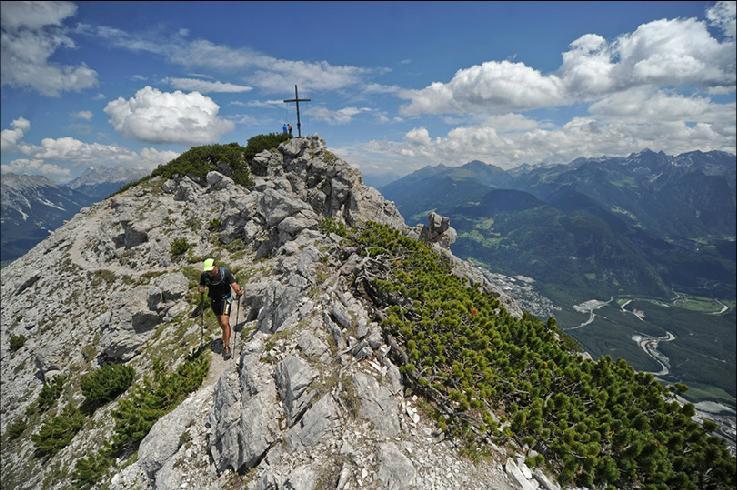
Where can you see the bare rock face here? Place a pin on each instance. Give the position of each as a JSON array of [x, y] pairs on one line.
[[128, 324], [311, 398]]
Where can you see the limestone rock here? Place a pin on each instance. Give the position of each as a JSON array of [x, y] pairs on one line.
[[315, 425], [438, 230], [395, 469], [128, 323], [377, 404], [293, 376]]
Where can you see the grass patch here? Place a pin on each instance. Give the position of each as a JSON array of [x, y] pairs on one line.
[[102, 275], [235, 246], [193, 224]]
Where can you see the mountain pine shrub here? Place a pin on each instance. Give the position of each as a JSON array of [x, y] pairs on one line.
[[58, 432], [105, 384], [199, 160], [594, 423], [16, 342], [262, 142], [147, 401], [331, 225], [90, 469], [50, 392], [16, 428], [154, 397]]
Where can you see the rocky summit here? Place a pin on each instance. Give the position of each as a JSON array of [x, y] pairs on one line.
[[312, 398]]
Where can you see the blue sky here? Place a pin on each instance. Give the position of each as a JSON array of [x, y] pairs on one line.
[[395, 86]]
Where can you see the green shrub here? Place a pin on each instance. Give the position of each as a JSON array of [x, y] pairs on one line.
[[89, 470], [331, 225], [58, 432], [105, 384], [16, 342], [199, 160], [16, 428], [155, 396], [50, 392], [179, 246], [262, 142], [596, 423]]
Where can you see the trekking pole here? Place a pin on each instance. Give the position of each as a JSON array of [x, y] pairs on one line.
[[237, 314], [202, 319]]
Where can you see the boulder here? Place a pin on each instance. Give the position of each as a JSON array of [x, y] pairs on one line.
[[243, 418], [276, 205]]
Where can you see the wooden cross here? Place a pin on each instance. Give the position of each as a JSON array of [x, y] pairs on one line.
[[297, 100]]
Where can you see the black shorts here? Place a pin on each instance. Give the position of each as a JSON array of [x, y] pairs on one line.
[[221, 306]]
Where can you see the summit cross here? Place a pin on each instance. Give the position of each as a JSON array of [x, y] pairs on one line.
[[297, 100]]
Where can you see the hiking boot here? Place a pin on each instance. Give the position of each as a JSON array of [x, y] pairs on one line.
[[227, 354]]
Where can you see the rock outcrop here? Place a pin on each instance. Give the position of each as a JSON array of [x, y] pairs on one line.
[[311, 399], [438, 230]]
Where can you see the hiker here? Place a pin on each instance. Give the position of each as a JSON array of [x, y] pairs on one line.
[[284, 128], [289, 127], [219, 281]]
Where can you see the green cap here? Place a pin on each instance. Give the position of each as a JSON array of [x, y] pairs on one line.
[[208, 265]]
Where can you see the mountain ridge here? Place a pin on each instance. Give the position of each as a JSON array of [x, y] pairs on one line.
[[34, 206], [364, 355]]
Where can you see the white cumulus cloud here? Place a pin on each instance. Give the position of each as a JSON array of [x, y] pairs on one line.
[[57, 157], [35, 15], [9, 138], [722, 15], [168, 117], [496, 86], [31, 34], [664, 53]]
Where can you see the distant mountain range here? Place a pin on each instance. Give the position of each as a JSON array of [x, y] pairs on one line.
[[644, 224], [33, 206]]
